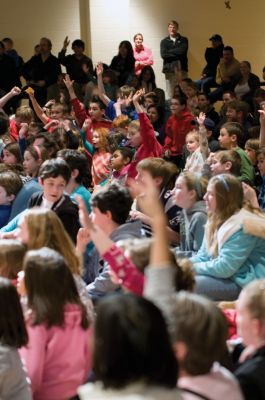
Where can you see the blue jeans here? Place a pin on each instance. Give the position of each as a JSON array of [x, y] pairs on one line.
[[205, 85], [217, 289]]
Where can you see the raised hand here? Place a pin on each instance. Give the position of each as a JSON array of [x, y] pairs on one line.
[[99, 68], [66, 43], [68, 82], [82, 240], [201, 118], [15, 91], [138, 94], [86, 125], [24, 127]]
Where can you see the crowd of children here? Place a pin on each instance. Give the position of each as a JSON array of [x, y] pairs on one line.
[[116, 205]]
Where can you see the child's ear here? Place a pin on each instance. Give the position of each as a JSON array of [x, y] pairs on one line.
[[234, 138], [11, 197], [40, 181], [228, 165], [127, 160], [180, 350], [75, 173]]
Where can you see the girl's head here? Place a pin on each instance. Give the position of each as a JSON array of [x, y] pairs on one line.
[[226, 162], [203, 101], [150, 99], [125, 49], [132, 343], [251, 313], [43, 228], [192, 141], [47, 141], [120, 158], [11, 154], [195, 354], [251, 148], [161, 171], [24, 114], [189, 189], [224, 195], [34, 156], [134, 137], [147, 75], [100, 138], [13, 331], [138, 40], [155, 113], [245, 68], [50, 286], [261, 161], [11, 257]]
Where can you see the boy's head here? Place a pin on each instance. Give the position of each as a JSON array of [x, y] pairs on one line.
[[24, 114], [261, 160], [96, 109], [78, 47], [228, 96], [77, 163], [125, 91], [120, 158], [203, 101], [121, 124], [58, 111], [251, 148], [230, 135], [237, 111], [195, 354], [178, 105], [54, 175], [8, 42], [226, 162], [134, 135], [111, 206], [163, 173], [10, 185]]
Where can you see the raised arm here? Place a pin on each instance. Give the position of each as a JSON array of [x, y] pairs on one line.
[[203, 135], [80, 112], [101, 89], [37, 108], [136, 98], [61, 54], [13, 92]]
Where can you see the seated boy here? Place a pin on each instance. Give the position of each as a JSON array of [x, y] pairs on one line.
[[10, 185], [54, 175], [80, 178]]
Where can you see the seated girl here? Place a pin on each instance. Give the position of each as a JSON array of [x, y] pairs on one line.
[[58, 355], [233, 250]]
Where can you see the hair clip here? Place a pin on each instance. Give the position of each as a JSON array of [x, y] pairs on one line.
[[221, 178]]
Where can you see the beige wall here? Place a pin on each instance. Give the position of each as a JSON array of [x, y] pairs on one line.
[[28, 20], [107, 22], [241, 27]]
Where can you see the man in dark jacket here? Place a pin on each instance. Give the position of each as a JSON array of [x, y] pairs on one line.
[[212, 56], [173, 50], [42, 70]]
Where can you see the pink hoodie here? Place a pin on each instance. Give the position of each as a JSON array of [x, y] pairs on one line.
[[58, 359]]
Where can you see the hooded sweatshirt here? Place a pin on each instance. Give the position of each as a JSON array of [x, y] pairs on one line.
[[176, 130], [192, 222]]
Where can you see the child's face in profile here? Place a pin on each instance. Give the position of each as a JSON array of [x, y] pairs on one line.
[[217, 167], [134, 137], [5, 199], [251, 155], [95, 111], [9, 158], [245, 322], [117, 161], [191, 143], [53, 188]]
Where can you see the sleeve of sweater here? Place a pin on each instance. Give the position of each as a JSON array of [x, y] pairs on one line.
[[159, 289], [33, 355], [131, 278], [88, 146], [79, 111], [231, 256], [101, 285], [147, 131]]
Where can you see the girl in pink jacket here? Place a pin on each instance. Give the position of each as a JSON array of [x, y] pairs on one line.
[[58, 355]]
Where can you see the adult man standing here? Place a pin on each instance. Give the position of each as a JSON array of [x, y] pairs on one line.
[[173, 50], [42, 71]]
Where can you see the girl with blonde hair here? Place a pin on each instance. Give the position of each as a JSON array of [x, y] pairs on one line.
[[233, 250]]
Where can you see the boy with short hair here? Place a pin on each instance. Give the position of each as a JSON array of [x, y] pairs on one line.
[[54, 175], [230, 134], [10, 185], [178, 125]]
